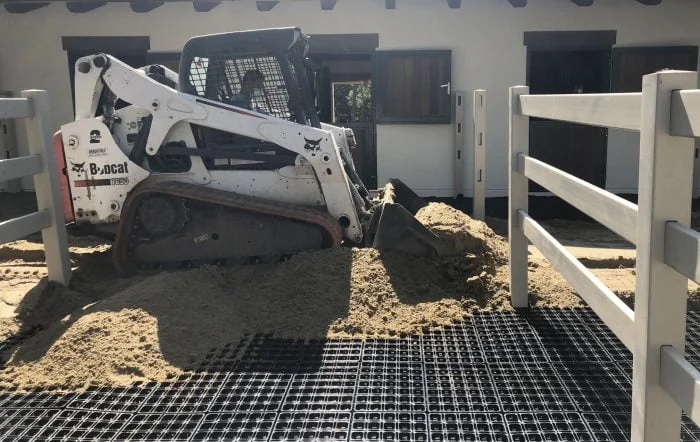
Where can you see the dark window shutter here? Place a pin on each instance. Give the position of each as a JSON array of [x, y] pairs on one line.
[[629, 65], [409, 86]]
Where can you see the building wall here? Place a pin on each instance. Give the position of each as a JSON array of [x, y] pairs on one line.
[[486, 38]]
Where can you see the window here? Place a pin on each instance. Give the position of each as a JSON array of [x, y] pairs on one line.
[[413, 86], [630, 64], [352, 102]]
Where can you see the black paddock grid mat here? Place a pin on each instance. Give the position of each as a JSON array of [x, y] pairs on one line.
[[531, 376]]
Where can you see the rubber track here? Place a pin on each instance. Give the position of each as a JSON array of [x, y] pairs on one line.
[[214, 196]]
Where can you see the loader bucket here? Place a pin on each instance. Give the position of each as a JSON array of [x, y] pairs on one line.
[[394, 227]]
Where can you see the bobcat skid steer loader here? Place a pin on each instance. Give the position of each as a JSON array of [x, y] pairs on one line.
[[225, 160]]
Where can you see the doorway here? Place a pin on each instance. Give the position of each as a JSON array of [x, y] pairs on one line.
[[344, 91], [352, 108], [578, 149]]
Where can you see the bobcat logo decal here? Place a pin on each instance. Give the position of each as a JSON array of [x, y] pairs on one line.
[[79, 168], [312, 145]]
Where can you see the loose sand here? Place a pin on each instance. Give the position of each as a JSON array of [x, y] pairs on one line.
[[106, 330], [166, 323]]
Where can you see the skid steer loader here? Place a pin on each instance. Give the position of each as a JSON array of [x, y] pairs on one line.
[[196, 167]]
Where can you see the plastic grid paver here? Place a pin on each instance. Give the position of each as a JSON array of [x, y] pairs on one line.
[[597, 387], [389, 426], [249, 392], [110, 399], [522, 388], [74, 425], [307, 394], [467, 427], [547, 427], [390, 378], [608, 427], [225, 358], [689, 430], [24, 424], [35, 399], [609, 343], [328, 426], [235, 426], [158, 427], [692, 343], [537, 375]]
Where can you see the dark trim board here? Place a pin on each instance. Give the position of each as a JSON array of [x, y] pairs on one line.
[[340, 57], [568, 40], [90, 44], [343, 43]]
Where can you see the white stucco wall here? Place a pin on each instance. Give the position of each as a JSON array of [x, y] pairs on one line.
[[486, 38]]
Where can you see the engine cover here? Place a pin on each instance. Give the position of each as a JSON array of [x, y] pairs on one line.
[[99, 174]]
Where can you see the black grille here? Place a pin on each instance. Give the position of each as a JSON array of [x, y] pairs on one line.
[[221, 79]]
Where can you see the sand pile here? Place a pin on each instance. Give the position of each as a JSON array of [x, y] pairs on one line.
[[462, 233], [167, 323]]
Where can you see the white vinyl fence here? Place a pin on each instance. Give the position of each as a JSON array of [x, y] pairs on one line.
[[667, 115], [33, 106], [479, 182]]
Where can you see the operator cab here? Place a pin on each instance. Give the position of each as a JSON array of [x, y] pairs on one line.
[[261, 70]]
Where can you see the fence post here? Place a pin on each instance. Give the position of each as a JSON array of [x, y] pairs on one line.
[[46, 183], [665, 193], [518, 142], [479, 115], [459, 143]]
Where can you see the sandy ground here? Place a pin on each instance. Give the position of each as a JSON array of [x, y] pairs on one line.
[[23, 269], [108, 330]]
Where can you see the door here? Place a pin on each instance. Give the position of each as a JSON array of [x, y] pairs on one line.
[[352, 108], [344, 98], [574, 148], [629, 65]]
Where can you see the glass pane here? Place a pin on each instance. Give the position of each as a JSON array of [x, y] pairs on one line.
[[352, 102]]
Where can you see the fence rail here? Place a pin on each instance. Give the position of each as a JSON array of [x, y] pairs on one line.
[[685, 113], [617, 214], [13, 108], [667, 115], [13, 168], [681, 380], [621, 111], [600, 298], [34, 108]]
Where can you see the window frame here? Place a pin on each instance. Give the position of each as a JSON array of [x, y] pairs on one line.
[[446, 116]]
